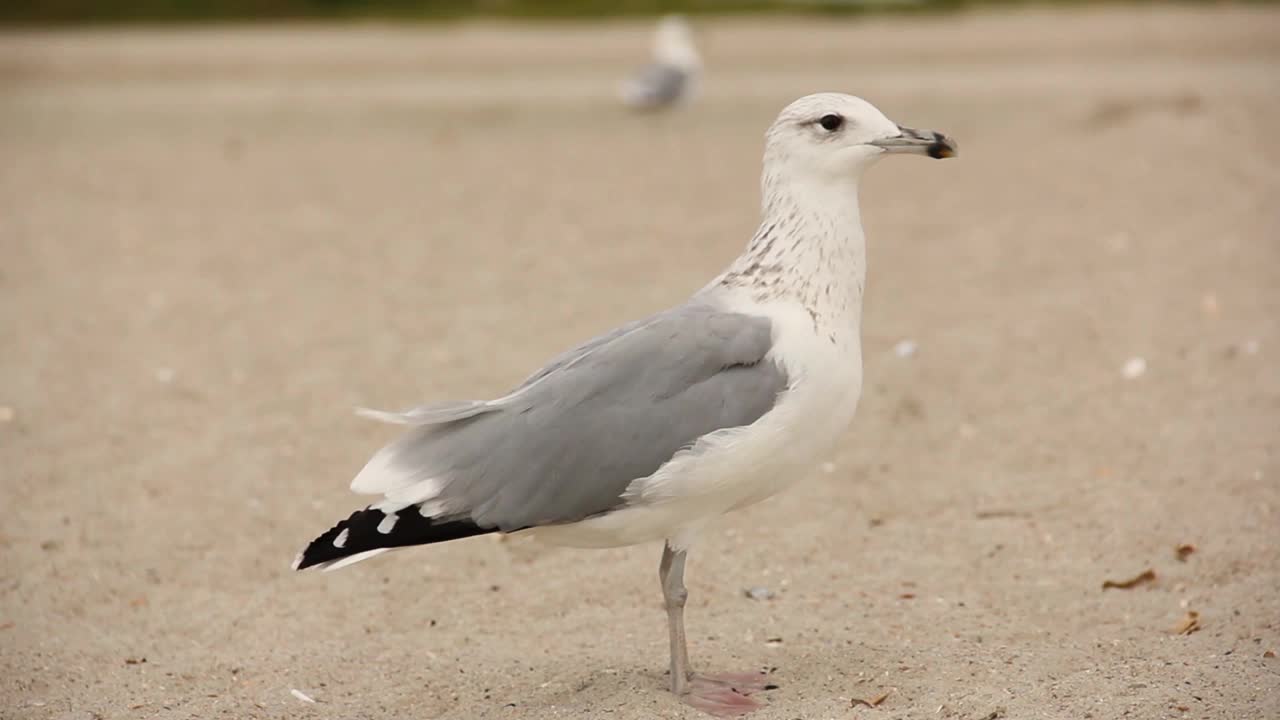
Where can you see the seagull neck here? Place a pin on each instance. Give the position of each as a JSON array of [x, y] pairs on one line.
[[809, 246]]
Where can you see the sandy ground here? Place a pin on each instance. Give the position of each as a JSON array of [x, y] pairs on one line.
[[216, 242]]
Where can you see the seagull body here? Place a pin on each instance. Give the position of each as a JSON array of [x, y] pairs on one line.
[[662, 425], [672, 77]]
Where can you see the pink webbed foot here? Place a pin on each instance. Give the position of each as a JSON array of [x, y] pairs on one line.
[[726, 694]]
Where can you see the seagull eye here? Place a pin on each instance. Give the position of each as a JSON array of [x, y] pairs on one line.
[[831, 123]]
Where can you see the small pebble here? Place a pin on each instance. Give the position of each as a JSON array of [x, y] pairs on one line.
[[1250, 347], [7, 414], [165, 375], [758, 592], [828, 467], [1209, 304], [1134, 368], [905, 348]]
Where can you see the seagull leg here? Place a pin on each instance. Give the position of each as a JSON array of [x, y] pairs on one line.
[[718, 695], [671, 573]]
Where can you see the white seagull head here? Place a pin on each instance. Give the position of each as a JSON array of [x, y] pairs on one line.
[[832, 137], [673, 44]]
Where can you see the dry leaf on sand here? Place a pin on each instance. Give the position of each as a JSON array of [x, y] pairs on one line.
[[1189, 624], [1145, 577]]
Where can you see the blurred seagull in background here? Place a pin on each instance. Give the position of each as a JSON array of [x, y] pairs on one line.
[[651, 431], [672, 78]]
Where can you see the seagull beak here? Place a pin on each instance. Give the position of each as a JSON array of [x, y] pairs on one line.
[[920, 142]]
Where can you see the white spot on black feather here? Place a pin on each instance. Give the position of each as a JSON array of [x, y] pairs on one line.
[[388, 524]]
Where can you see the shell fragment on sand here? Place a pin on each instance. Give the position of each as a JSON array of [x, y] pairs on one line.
[[301, 695]]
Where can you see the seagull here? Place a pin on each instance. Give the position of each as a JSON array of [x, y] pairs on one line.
[[672, 77], [651, 431]]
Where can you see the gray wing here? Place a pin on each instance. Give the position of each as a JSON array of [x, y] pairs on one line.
[[567, 443], [656, 85], [571, 356]]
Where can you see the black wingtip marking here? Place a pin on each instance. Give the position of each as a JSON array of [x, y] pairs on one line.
[[410, 528]]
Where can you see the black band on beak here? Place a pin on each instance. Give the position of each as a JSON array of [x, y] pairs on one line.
[[921, 142]]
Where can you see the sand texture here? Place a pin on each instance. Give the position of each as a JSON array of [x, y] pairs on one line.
[[216, 242]]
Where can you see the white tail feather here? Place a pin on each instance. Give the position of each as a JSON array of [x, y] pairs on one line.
[[380, 475]]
